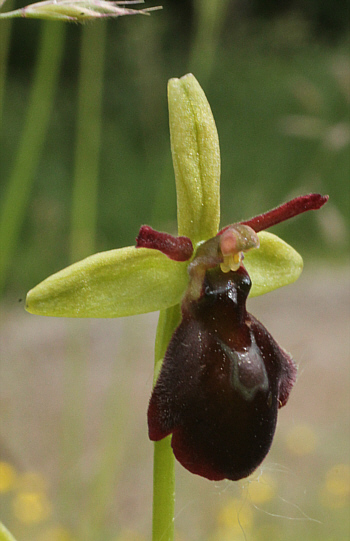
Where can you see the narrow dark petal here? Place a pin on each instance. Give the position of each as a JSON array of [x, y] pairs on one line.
[[176, 248], [280, 364], [303, 203]]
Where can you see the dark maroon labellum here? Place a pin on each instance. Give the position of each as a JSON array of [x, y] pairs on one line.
[[222, 381]]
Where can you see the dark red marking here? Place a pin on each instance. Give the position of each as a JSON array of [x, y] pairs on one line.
[[176, 248], [303, 203]]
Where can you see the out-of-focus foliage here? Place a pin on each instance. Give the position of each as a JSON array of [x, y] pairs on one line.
[[327, 19], [269, 75]]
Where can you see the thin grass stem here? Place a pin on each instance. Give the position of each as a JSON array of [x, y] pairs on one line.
[[88, 141], [209, 18], [4, 48], [16, 197]]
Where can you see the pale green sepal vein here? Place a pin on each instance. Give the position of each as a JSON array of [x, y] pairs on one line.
[[273, 265], [196, 159], [116, 283]]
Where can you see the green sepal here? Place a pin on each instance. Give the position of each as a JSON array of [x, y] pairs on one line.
[[273, 265], [116, 283], [196, 158]]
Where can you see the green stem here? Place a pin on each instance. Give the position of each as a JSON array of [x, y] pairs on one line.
[[163, 491], [12, 14], [33, 138], [88, 141], [4, 48], [164, 461]]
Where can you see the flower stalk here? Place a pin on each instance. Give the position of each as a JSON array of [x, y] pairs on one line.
[[163, 459]]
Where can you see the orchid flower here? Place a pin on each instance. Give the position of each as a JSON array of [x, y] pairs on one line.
[[224, 377]]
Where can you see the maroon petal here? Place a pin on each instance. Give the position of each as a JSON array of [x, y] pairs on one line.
[[177, 248], [303, 203]]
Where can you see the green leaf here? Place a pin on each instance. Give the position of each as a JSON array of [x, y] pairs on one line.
[[273, 265], [5, 534], [196, 158], [117, 283]]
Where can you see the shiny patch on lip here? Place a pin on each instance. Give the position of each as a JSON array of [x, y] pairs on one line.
[[248, 373]]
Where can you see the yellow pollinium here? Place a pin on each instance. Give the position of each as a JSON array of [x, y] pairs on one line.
[[231, 262]]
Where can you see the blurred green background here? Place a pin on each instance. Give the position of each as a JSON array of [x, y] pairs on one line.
[[76, 462], [277, 81]]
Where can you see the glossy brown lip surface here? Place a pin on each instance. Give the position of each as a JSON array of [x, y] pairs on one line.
[[222, 381]]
